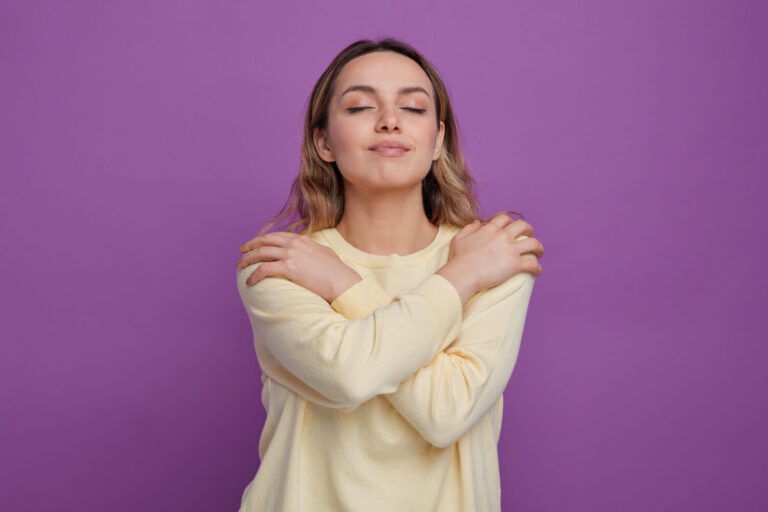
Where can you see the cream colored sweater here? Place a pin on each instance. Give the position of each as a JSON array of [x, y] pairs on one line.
[[390, 398]]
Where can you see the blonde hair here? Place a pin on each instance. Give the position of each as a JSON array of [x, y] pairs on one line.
[[316, 199]]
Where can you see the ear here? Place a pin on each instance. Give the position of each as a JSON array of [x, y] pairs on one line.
[[439, 142], [321, 144]]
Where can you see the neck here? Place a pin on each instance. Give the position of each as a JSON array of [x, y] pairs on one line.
[[386, 222]]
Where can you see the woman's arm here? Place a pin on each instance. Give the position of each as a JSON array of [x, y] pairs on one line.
[[303, 342], [445, 398]]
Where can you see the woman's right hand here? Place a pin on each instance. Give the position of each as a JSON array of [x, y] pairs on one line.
[[483, 255]]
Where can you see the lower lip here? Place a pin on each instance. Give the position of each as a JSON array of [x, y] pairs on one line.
[[390, 151]]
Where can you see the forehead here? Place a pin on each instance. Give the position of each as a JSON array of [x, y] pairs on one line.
[[386, 71]]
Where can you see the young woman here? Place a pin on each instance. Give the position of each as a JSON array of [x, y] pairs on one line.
[[387, 328]]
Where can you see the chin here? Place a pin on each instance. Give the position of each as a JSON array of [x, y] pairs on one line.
[[387, 184], [387, 175]]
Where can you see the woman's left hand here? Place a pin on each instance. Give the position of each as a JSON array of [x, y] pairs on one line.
[[299, 259]]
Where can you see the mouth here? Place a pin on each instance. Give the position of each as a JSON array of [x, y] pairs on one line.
[[389, 150]]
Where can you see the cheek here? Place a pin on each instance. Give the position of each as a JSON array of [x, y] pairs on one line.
[[346, 137], [428, 135]]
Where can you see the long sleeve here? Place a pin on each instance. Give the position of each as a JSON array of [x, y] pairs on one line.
[[303, 343], [445, 398]]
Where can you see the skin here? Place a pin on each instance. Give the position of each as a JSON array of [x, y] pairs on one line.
[[383, 212]]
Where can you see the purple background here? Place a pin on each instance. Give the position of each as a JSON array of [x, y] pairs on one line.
[[141, 143]]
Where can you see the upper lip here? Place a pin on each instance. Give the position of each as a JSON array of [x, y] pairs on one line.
[[388, 144]]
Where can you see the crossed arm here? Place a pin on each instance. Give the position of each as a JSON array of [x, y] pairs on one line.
[[440, 367], [446, 397]]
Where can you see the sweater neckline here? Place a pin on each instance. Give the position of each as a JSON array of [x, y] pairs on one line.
[[349, 251]]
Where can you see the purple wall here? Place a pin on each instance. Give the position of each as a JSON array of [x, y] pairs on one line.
[[142, 143]]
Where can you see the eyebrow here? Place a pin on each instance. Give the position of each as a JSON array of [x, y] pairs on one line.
[[372, 90]]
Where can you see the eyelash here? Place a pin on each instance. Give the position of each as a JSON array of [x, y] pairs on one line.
[[352, 110]]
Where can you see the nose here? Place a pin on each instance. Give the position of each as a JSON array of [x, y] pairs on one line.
[[388, 120]]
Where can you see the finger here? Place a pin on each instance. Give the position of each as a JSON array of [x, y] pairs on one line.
[[531, 265], [256, 276], [469, 228], [530, 245], [268, 269], [275, 238], [519, 227], [499, 221], [263, 253]]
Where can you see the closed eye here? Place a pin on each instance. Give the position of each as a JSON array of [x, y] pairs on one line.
[[352, 110]]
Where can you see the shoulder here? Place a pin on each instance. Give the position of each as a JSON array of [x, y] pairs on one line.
[[276, 295], [450, 231], [509, 295], [319, 236]]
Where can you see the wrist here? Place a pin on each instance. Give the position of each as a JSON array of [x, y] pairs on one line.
[[339, 286], [461, 279]]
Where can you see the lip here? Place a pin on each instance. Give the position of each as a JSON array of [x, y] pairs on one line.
[[388, 144], [389, 148]]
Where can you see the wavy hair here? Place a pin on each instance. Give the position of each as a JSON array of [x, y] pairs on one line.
[[316, 199]]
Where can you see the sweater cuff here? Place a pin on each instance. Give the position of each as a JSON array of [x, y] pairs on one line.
[[360, 299], [445, 302]]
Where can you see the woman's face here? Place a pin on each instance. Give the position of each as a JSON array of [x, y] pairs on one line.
[[381, 97]]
